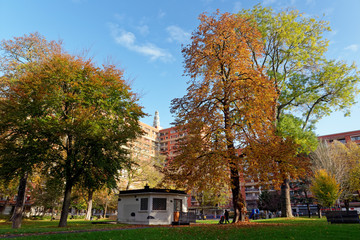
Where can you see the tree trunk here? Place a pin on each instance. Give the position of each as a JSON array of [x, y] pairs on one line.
[[307, 203], [43, 212], [308, 208], [239, 203], [319, 210], [52, 214], [89, 205], [347, 205], [66, 205], [105, 209], [20, 202], [238, 200], [286, 210]]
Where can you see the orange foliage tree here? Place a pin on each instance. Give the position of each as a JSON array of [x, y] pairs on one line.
[[228, 103], [67, 113]]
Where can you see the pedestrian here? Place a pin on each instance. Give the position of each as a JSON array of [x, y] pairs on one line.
[[226, 216], [221, 220]]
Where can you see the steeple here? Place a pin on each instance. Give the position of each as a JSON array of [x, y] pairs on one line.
[[156, 123]]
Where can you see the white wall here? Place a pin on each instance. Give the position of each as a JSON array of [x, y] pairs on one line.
[[128, 205]]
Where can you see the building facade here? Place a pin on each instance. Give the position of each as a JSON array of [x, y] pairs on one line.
[[344, 137]]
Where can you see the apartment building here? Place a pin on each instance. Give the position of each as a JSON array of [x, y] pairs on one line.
[[252, 190], [344, 137]]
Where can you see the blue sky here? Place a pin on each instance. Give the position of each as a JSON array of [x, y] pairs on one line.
[[144, 39]]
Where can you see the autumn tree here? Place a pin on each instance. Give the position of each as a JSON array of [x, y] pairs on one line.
[[105, 199], [144, 171], [325, 188], [228, 102], [281, 157], [22, 142], [341, 161], [308, 85], [93, 116], [71, 112]]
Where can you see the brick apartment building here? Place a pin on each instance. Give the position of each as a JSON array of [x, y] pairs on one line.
[[252, 190], [344, 137]]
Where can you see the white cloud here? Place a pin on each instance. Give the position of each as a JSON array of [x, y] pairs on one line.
[[177, 34], [128, 40], [352, 47]]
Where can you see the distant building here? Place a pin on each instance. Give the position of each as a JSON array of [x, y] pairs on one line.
[[252, 190], [344, 137]]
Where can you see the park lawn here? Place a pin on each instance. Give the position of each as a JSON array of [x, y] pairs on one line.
[[38, 226], [297, 228]]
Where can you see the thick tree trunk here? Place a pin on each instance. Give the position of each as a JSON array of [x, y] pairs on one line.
[[20, 202], [105, 210], [239, 203], [286, 210], [66, 205], [238, 200], [89, 205]]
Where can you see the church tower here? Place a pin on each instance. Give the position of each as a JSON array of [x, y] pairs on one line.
[[156, 123]]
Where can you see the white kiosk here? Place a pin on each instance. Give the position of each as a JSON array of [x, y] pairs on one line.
[[151, 206]]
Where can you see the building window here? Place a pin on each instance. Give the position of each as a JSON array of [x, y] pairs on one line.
[[144, 203], [159, 204], [355, 138], [342, 140]]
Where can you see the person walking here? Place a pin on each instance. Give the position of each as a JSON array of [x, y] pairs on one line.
[[226, 216]]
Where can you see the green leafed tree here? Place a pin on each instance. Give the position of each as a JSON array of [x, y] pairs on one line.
[[309, 86], [270, 201], [94, 116], [22, 140], [46, 191], [82, 118]]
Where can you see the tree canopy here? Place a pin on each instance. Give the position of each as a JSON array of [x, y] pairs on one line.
[[80, 116], [325, 188], [228, 102], [309, 85]]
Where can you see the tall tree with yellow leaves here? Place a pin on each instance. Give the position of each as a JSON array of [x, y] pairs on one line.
[[228, 102]]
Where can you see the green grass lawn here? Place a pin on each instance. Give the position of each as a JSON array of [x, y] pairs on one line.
[[38, 226], [298, 228]]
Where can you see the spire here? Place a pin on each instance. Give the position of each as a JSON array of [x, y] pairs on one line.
[[156, 123]]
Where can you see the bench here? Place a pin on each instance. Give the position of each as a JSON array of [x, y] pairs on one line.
[[342, 217]]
